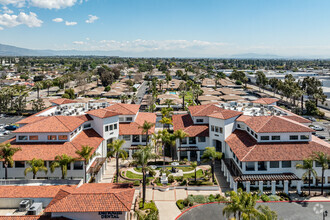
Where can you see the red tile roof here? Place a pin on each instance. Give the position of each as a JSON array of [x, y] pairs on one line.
[[265, 101], [55, 124], [34, 117], [103, 113], [116, 109], [211, 109], [248, 149], [185, 123], [48, 151], [293, 116], [93, 197], [133, 128], [62, 101], [273, 124], [31, 191]]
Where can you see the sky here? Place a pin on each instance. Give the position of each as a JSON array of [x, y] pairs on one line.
[[174, 28]]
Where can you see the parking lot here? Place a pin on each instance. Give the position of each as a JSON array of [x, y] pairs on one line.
[[7, 121], [326, 125]]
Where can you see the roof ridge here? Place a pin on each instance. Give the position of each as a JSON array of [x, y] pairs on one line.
[[121, 104], [249, 152], [56, 116], [128, 208], [269, 118]]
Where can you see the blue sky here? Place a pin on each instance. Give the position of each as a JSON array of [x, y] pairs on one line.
[[205, 28]]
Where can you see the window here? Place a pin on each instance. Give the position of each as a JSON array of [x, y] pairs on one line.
[[293, 137], [249, 166], [304, 137], [274, 164], [106, 128], [87, 125], [33, 138], [115, 126], [238, 125], [127, 137], [63, 137], [52, 137], [78, 165], [264, 138], [69, 166], [136, 138], [121, 119], [276, 138], [111, 127], [144, 138], [184, 141], [256, 136], [262, 165], [317, 164], [212, 127], [19, 164], [129, 119], [286, 164], [252, 132], [201, 139], [80, 128], [221, 130], [192, 140], [216, 129], [22, 138], [199, 120], [247, 128]]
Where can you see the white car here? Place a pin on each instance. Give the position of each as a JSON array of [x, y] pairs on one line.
[[6, 132], [317, 128]]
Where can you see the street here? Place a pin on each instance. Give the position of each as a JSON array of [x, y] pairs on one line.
[[141, 92]]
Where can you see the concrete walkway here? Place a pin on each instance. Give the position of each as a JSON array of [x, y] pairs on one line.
[[167, 210], [109, 172]]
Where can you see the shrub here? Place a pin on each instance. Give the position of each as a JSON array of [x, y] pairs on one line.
[[264, 198], [170, 178], [179, 178], [183, 183], [136, 183], [152, 172], [180, 204], [211, 198], [199, 199], [166, 171], [107, 88], [189, 201], [274, 198]]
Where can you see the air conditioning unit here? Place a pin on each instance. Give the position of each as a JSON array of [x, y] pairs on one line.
[[35, 209], [24, 205]]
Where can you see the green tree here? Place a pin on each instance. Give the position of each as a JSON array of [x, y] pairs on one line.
[[308, 166], [166, 122], [7, 153], [141, 158], [62, 161], [261, 79], [322, 159], [38, 85], [180, 134], [266, 213], [115, 149], [48, 83], [35, 165], [146, 128], [86, 153], [210, 155]]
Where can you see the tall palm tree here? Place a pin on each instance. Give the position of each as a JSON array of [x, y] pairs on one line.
[[86, 153], [62, 161], [6, 153], [123, 98], [194, 165], [115, 149], [36, 165], [180, 134], [322, 159], [166, 122], [145, 129], [266, 213], [168, 102], [48, 83], [38, 86], [210, 155], [141, 158], [183, 93], [308, 166]]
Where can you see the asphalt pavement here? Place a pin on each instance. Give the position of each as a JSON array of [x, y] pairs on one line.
[[284, 210], [141, 92], [7, 121]]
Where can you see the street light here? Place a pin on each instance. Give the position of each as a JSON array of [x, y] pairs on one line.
[[325, 214]]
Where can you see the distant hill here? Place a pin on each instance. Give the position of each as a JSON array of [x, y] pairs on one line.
[[256, 56]]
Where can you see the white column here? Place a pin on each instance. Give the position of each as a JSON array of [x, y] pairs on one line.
[[188, 154], [286, 186], [299, 186], [130, 152], [235, 186], [261, 186], [228, 175], [178, 154], [222, 166], [224, 171], [247, 188], [273, 187], [198, 156], [231, 183]]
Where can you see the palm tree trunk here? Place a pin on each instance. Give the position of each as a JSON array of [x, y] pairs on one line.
[[6, 171], [143, 187], [38, 93], [48, 92], [85, 172], [63, 176], [309, 182], [212, 169], [117, 167], [34, 176], [302, 104], [183, 102], [322, 181], [147, 138]]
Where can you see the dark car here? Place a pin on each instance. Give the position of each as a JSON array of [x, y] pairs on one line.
[[320, 136], [11, 127]]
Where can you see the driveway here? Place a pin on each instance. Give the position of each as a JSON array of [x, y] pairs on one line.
[[284, 210]]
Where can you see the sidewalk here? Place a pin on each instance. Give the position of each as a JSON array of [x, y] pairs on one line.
[[109, 172]]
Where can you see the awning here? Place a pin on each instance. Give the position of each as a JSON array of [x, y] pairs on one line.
[[192, 148], [96, 165]]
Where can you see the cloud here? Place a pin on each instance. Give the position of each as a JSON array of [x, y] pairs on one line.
[[70, 23], [6, 10], [30, 20], [78, 42], [58, 20], [17, 3], [91, 19], [53, 4], [1, 28]]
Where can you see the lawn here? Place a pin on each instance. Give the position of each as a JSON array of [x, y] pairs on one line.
[[184, 169], [192, 175], [132, 175]]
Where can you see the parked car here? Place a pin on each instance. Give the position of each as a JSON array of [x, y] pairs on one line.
[[310, 118], [11, 127], [6, 132], [320, 136]]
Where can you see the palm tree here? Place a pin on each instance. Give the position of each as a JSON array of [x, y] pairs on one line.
[[38, 86], [194, 165], [322, 159], [166, 122], [210, 155], [36, 165], [168, 102], [145, 129], [141, 158], [134, 99], [308, 166], [48, 83], [86, 153], [183, 93], [115, 148], [123, 98], [180, 134], [266, 213], [62, 161], [7, 153]]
